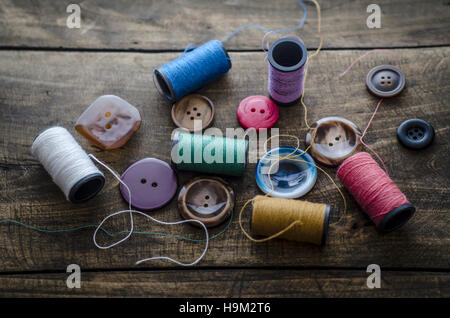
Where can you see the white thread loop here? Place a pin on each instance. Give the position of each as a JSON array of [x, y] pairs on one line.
[[131, 211]]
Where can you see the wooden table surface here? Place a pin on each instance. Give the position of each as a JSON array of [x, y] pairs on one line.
[[49, 74]]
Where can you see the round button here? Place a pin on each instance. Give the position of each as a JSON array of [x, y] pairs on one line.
[[415, 133], [336, 139], [292, 178], [191, 109], [385, 81], [206, 199], [152, 183], [257, 112]]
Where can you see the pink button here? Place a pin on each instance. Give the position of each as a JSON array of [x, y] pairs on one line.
[[257, 112]]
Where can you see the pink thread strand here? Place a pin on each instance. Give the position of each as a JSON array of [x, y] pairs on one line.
[[364, 134], [379, 102], [367, 53], [371, 187]]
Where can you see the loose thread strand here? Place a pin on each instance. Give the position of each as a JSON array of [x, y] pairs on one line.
[[378, 104]]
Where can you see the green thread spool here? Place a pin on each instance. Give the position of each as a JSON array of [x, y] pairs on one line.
[[209, 154]]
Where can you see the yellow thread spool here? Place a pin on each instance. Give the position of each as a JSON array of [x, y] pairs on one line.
[[273, 215]]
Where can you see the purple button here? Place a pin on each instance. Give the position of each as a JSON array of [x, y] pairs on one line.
[[152, 183]]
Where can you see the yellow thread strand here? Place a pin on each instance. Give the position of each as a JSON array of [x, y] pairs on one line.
[[319, 22]]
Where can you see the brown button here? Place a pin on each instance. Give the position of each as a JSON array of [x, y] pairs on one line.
[[206, 199], [336, 139], [385, 81], [109, 122], [192, 108]]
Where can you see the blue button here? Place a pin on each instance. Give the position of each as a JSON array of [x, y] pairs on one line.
[[415, 133], [293, 178]]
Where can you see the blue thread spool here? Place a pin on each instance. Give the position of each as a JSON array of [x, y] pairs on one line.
[[192, 70]]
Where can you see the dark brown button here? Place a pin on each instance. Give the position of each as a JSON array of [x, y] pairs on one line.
[[206, 199], [336, 139], [385, 81], [192, 108]]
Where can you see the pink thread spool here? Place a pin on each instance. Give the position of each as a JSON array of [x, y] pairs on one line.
[[375, 192]]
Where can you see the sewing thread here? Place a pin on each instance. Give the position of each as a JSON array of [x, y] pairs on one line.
[[191, 70], [68, 164], [209, 154], [300, 221], [200, 65], [287, 60], [375, 192]]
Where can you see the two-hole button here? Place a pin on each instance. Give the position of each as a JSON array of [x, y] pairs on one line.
[[152, 182], [257, 112]]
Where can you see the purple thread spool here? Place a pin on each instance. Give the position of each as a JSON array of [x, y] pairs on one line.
[[287, 60]]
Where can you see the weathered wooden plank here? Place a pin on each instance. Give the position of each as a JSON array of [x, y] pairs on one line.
[[163, 25], [41, 89], [229, 283]]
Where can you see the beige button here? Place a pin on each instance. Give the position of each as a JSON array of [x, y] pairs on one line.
[[206, 199], [192, 108]]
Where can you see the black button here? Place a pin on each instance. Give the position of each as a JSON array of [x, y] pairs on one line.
[[415, 133], [385, 81]]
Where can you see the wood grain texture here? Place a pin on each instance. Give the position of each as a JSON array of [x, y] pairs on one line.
[[229, 283], [171, 25], [41, 89]]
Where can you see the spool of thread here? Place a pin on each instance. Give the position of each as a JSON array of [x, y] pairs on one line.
[[272, 215], [287, 60], [209, 154], [68, 164], [192, 70], [375, 192]]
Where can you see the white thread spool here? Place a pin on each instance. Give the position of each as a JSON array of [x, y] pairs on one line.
[[68, 164]]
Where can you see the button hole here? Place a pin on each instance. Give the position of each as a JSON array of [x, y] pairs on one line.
[[207, 197], [188, 112], [198, 114], [195, 108], [253, 110], [143, 181], [192, 118], [205, 205], [108, 114], [330, 144], [262, 111], [154, 184], [108, 126]]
